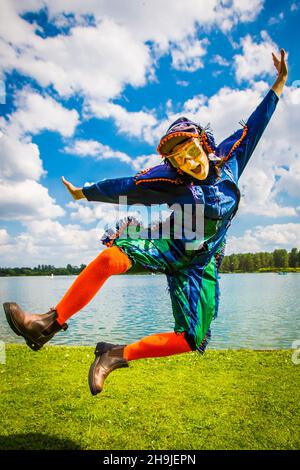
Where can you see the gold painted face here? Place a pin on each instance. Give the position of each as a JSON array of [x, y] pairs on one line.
[[190, 158]]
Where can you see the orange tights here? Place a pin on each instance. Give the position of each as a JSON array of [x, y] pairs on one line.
[[161, 344], [113, 261], [85, 287]]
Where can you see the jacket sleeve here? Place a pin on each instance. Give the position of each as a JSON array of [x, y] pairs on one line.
[[244, 141], [139, 189]]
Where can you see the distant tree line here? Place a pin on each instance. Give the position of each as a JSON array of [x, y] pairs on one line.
[[42, 270], [278, 260]]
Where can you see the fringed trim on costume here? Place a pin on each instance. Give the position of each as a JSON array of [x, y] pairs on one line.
[[111, 235], [204, 142], [152, 180], [220, 254], [219, 258], [171, 136], [236, 144], [201, 349], [217, 294], [142, 172], [177, 180]]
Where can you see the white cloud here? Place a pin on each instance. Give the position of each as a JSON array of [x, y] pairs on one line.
[[117, 41], [130, 123], [102, 214], [48, 241], [12, 27], [218, 59], [22, 197], [289, 182], [146, 161], [19, 159], [4, 237], [36, 113], [26, 200], [53, 233], [117, 51], [93, 148], [247, 10], [84, 148], [256, 59], [86, 213], [102, 72], [187, 55], [267, 238], [174, 20], [260, 189], [193, 105]]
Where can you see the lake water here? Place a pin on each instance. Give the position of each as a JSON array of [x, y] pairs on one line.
[[258, 311]]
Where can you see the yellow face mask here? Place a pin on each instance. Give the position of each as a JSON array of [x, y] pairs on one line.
[[190, 158]]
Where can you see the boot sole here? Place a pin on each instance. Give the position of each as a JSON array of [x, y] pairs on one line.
[[33, 345]]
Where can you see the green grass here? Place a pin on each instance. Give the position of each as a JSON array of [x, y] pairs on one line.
[[223, 400]]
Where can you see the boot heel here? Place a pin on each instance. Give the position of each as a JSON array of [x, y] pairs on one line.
[[93, 388], [6, 307]]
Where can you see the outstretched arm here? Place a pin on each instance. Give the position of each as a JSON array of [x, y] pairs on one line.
[[159, 185]]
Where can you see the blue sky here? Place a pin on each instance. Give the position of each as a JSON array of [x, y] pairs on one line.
[[90, 88]]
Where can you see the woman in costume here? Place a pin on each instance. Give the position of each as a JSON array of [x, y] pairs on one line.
[[194, 172]]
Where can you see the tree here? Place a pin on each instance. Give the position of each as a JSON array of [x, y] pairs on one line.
[[281, 258], [257, 262], [293, 258], [225, 266], [298, 258], [234, 263], [249, 262]]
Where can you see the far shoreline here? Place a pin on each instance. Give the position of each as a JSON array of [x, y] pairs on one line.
[[262, 271]]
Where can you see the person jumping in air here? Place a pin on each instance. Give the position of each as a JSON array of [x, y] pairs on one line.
[[193, 171]]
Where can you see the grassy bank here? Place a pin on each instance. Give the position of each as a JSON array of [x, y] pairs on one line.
[[223, 400]]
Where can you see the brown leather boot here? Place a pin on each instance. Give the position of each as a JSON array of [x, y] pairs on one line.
[[35, 329], [108, 358]]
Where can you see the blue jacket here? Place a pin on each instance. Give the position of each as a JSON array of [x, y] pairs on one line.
[[220, 196]]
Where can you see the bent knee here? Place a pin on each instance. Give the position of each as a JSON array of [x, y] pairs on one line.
[[114, 260]]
